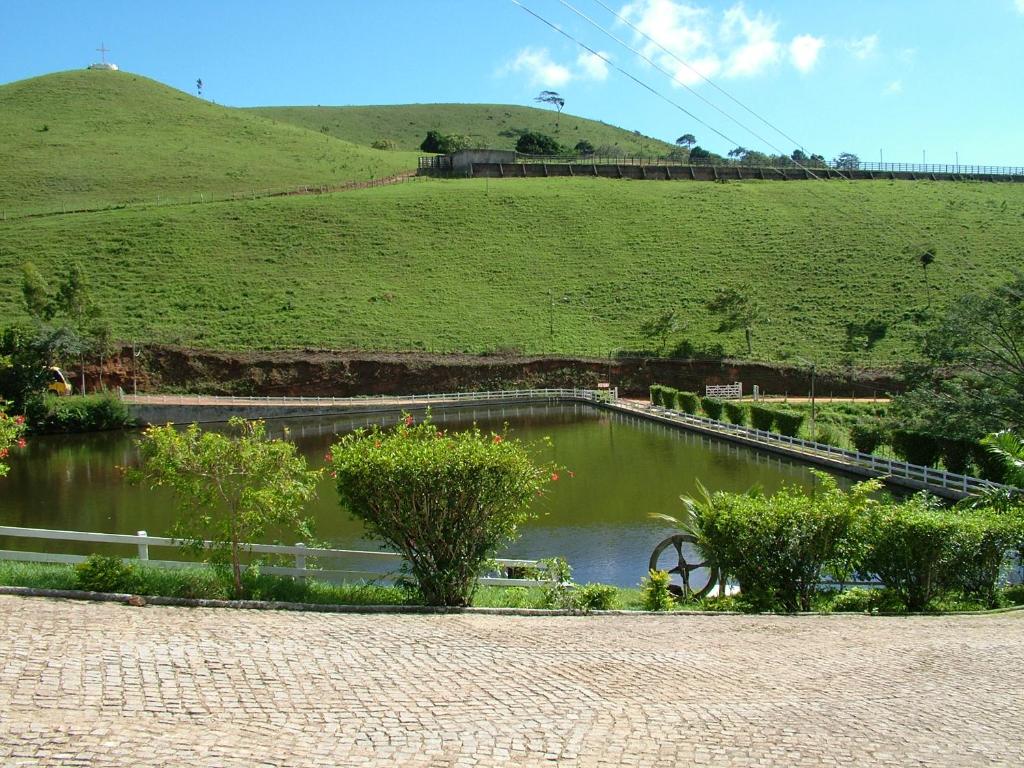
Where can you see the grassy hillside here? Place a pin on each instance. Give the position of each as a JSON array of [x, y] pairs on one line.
[[496, 126], [92, 139], [558, 265]]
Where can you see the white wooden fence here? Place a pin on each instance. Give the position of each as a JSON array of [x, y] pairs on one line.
[[381, 567], [732, 391], [960, 485]]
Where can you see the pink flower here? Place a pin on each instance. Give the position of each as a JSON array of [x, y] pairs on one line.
[[554, 477], [19, 419], [409, 420], [21, 442], [333, 474], [328, 457], [3, 453], [498, 439]]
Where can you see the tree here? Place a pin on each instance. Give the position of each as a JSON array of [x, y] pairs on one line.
[[739, 153], [847, 161], [736, 310], [432, 142], [584, 147], [533, 143], [446, 501], [660, 328], [686, 140], [230, 488], [552, 98], [11, 431], [199, 86], [925, 255], [981, 341], [699, 155]]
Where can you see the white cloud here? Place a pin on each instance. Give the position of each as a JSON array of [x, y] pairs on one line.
[[893, 88], [864, 48], [592, 66], [804, 50], [732, 43], [758, 47], [539, 67]]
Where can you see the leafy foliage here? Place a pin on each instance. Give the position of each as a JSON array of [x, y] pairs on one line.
[[101, 573], [915, 447], [761, 418], [688, 402], [79, 413], [230, 488], [11, 430], [867, 435], [656, 596], [534, 143], [447, 502], [713, 407], [736, 412], [788, 422], [779, 546]]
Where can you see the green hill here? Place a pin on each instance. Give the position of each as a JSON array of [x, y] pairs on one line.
[[88, 139], [496, 126], [558, 265]]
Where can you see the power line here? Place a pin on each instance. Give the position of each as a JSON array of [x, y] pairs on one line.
[[675, 79], [615, 66], [701, 75]]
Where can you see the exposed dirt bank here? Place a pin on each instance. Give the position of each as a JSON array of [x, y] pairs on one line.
[[319, 372]]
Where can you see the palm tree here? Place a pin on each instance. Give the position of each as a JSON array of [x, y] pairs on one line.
[[1009, 447]]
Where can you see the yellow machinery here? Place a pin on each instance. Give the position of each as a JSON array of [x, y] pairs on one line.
[[58, 384]]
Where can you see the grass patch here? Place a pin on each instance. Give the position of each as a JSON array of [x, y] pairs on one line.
[[90, 139], [497, 126], [570, 266]]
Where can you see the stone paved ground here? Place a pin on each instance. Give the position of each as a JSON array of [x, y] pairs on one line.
[[105, 684]]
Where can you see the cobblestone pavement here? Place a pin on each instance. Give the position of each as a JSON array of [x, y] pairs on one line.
[[107, 684]]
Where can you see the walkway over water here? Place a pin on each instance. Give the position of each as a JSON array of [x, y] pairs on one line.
[[100, 684]]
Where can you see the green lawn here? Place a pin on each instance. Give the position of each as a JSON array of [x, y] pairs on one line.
[[559, 265], [92, 139], [488, 125]]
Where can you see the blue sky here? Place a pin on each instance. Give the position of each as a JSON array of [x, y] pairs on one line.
[[897, 76]]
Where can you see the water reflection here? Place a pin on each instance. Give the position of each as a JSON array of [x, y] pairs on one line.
[[625, 468]]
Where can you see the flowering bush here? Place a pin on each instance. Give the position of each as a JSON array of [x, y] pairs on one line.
[[446, 501], [11, 430]]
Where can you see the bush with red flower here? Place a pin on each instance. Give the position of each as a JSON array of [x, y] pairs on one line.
[[448, 501], [11, 430]]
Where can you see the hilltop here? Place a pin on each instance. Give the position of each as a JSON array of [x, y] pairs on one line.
[[89, 139], [496, 126], [540, 265]]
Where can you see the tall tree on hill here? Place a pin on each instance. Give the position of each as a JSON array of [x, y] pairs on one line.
[[736, 310], [555, 100], [686, 140]]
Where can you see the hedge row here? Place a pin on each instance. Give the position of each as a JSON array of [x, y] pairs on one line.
[[78, 413], [780, 547]]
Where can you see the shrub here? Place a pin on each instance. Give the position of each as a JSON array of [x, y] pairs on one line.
[[990, 466], [956, 455], [688, 402], [383, 144], [762, 418], [670, 398], [826, 434], [101, 573], [534, 143], [713, 407], [983, 537], [78, 413], [656, 596], [779, 546], [867, 435], [11, 430], [596, 597], [736, 412], [910, 548], [663, 396], [857, 600], [789, 422], [446, 501], [915, 447]]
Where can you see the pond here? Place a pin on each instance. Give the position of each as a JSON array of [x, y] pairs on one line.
[[625, 468]]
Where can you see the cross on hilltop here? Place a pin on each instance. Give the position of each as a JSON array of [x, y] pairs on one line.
[[103, 52]]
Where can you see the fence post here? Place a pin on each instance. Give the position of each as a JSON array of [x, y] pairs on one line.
[[300, 561], [143, 547]]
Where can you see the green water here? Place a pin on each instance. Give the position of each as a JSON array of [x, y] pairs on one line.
[[625, 468]]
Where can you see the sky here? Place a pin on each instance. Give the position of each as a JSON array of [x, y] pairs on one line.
[[898, 80]]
